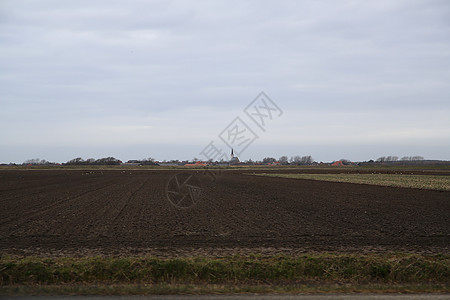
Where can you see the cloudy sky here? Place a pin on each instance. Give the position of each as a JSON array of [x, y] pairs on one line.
[[134, 79]]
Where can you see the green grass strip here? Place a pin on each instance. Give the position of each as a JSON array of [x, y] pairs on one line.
[[441, 183], [254, 269]]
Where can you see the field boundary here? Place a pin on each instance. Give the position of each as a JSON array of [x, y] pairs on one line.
[[431, 182]]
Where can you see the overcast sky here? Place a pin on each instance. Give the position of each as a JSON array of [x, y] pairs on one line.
[[134, 79]]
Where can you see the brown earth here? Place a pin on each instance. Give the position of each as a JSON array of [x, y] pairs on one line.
[[73, 212]]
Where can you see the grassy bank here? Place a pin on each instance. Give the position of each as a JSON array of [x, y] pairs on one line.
[[131, 275], [409, 181]]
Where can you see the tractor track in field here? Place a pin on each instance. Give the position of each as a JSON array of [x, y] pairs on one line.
[[39, 209]]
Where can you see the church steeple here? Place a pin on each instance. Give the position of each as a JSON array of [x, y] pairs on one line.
[[234, 159]]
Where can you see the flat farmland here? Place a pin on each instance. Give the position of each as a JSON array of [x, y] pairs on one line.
[[140, 212]]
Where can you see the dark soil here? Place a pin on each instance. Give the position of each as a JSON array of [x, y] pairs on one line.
[[68, 212]]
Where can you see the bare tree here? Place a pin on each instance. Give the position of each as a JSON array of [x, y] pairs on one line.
[[36, 161], [76, 161], [345, 161], [283, 160], [108, 161], [33, 161], [391, 158], [249, 162], [267, 160], [302, 160], [296, 159], [307, 160]]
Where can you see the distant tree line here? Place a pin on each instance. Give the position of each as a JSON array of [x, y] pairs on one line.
[[92, 161], [412, 158], [145, 162], [37, 161], [395, 158], [301, 160], [284, 160]]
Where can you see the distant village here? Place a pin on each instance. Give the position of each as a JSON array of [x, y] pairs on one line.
[[306, 160]]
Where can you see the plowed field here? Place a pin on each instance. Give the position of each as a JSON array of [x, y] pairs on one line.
[[72, 212]]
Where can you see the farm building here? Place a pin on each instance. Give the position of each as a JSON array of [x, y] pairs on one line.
[[337, 164]]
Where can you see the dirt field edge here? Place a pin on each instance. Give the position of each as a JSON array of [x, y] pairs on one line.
[[197, 289]]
